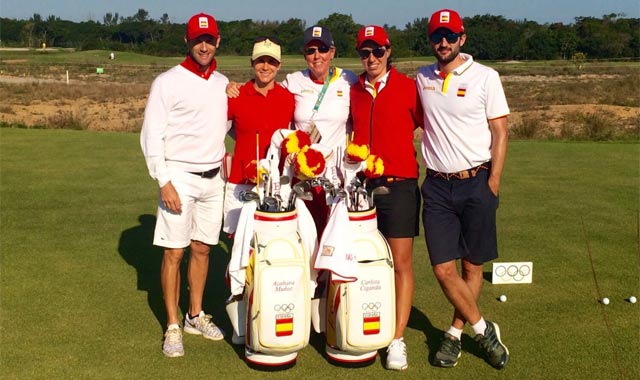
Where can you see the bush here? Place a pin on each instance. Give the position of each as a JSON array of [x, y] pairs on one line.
[[67, 120], [595, 126], [528, 128]]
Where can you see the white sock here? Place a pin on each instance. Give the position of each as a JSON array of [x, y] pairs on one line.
[[173, 326], [455, 332], [479, 327]]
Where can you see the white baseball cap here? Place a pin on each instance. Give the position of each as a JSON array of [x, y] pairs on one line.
[[265, 46]]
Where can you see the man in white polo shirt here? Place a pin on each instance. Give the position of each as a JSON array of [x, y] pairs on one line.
[[183, 144], [464, 146]]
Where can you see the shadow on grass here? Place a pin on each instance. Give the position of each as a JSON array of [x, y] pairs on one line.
[[137, 249], [487, 276], [217, 291], [432, 335]]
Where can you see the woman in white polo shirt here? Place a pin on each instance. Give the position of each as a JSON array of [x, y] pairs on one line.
[[321, 94]]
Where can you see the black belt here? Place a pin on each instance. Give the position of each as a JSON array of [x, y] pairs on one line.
[[463, 174], [208, 174], [384, 180]]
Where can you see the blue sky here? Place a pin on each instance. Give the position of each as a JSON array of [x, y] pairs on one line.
[[392, 12]]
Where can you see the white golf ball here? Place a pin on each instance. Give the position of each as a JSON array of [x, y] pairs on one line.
[[503, 298], [605, 301], [633, 299]]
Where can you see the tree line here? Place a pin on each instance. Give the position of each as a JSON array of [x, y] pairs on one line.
[[613, 36]]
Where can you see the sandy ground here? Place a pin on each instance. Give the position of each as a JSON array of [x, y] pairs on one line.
[[122, 115], [127, 115]]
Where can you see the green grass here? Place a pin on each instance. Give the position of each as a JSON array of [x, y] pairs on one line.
[[128, 66], [80, 292]]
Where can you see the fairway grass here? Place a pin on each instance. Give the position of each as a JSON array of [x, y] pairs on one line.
[[80, 295]]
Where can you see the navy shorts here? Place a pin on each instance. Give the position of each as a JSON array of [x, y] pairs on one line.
[[398, 211], [459, 217]]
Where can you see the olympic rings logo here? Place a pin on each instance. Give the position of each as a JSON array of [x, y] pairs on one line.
[[371, 306], [513, 272], [284, 308]]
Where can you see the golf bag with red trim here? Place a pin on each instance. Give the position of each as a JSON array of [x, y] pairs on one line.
[[276, 291], [360, 315]]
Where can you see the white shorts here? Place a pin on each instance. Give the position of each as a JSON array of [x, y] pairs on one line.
[[201, 217], [233, 205]]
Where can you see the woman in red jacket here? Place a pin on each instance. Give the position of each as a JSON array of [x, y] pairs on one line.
[[385, 110]]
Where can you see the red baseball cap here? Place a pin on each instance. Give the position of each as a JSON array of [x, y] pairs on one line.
[[446, 18], [372, 33], [201, 24]]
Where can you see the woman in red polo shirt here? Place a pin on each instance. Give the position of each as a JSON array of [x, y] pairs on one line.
[[385, 111], [264, 107]]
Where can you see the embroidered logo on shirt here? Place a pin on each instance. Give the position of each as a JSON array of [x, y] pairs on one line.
[[429, 88], [327, 250], [461, 92], [340, 93]]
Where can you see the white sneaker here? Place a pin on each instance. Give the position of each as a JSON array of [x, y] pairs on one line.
[[202, 325], [172, 346], [397, 355]]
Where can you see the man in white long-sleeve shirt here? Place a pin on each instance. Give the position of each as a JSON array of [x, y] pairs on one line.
[[182, 140]]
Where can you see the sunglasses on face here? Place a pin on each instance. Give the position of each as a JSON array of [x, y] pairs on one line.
[[377, 52], [312, 50], [273, 39], [451, 37]]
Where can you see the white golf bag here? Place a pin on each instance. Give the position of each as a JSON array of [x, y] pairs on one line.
[[276, 292], [360, 314]]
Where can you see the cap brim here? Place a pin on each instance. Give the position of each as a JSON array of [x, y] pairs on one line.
[[319, 40], [200, 35], [253, 58]]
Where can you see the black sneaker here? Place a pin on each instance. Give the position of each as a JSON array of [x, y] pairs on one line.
[[449, 352], [497, 353]]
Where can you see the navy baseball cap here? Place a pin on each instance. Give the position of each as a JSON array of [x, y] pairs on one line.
[[318, 33]]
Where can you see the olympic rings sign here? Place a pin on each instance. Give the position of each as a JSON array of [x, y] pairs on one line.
[[371, 306], [512, 273], [284, 308]]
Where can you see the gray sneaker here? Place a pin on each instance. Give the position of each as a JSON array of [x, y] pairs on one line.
[[449, 352], [202, 325], [172, 346], [497, 353]]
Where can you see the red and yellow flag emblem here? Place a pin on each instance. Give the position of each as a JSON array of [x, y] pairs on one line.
[[371, 325], [284, 325]]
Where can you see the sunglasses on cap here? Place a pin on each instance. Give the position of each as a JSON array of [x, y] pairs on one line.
[[451, 37], [273, 39], [312, 50], [377, 52]]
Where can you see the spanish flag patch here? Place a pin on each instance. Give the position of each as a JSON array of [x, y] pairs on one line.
[[340, 93], [284, 325], [461, 92], [371, 325]]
